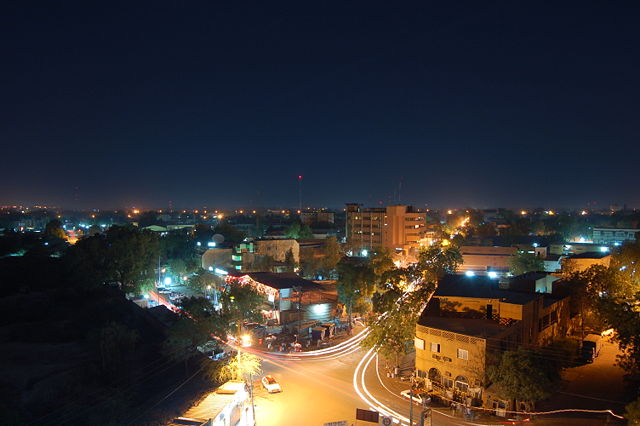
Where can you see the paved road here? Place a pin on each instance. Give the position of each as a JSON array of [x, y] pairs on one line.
[[314, 392]]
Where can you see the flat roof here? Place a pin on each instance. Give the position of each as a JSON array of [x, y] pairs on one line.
[[589, 255], [482, 328], [480, 287], [279, 281]]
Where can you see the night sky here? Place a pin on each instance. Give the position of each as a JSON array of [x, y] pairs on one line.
[[204, 104]]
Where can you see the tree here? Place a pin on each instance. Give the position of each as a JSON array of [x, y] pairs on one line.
[[178, 250], [115, 346], [381, 262], [230, 233], [148, 218], [298, 230], [209, 320], [355, 282], [632, 413], [522, 262], [331, 255], [524, 375], [201, 281], [131, 257], [54, 230], [183, 339], [310, 264], [436, 261], [122, 255], [241, 303], [290, 263], [404, 294], [240, 367]]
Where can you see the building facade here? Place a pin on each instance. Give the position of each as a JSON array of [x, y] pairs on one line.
[[399, 228], [482, 259], [468, 323], [614, 236]]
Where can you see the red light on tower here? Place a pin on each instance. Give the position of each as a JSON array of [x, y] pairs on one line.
[[299, 177]]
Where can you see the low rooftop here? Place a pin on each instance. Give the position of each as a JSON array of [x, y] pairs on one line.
[[482, 328], [479, 287], [589, 255], [280, 281]]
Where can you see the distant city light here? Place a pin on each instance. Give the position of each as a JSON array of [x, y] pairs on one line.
[[364, 253], [198, 244], [167, 280], [220, 271], [146, 296], [470, 274], [535, 244], [604, 249], [210, 268], [211, 244], [493, 274]]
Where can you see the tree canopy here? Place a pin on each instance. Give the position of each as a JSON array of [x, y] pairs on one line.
[[122, 255], [522, 262], [524, 375], [298, 230]]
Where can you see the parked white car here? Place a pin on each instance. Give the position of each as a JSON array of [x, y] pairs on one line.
[[418, 399], [271, 385]]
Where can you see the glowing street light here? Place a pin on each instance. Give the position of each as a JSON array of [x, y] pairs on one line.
[[245, 340]]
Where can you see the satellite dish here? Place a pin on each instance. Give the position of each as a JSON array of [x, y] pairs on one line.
[[218, 238]]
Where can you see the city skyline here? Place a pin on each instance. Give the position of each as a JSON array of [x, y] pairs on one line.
[[226, 106]]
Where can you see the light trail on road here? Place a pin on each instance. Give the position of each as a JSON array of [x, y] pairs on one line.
[[361, 389]]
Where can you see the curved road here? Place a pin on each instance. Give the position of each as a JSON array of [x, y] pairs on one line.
[[327, 386]]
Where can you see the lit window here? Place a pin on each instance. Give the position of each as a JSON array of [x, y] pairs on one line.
[[463, 354], [435, 347]]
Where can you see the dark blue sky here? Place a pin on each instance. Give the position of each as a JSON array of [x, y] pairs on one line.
[[472, 104]]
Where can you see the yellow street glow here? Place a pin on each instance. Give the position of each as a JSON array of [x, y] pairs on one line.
[[246, 340]]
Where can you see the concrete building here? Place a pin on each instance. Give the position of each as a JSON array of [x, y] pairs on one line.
[[468, 323], [399, 228], [533, 282], [583, 261], [614, 236], [481, 260], [290, 297], [313, 217], [278, 249]]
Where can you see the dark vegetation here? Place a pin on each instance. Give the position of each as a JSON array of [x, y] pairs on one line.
[[78, 353]]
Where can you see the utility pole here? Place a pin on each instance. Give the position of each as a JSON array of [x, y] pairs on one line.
[[411, 406], [298, 289]]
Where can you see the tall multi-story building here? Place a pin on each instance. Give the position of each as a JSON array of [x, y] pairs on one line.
[[399, 228]]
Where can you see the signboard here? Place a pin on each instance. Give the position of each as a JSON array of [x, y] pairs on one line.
[[340, 423], [386, 421], [367, 416]]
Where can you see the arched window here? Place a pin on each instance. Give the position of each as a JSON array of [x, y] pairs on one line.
[[462, 384], [434, 375]]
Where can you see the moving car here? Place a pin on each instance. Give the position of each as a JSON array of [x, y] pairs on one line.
[[271, 385], [418, 399]]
